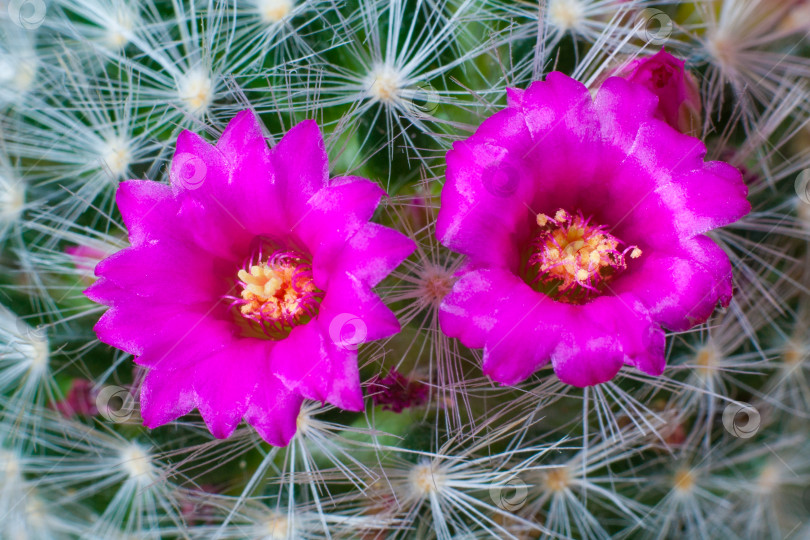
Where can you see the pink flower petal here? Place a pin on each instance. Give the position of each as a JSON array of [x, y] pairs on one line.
[[486, 203], [165, 397], [603, 335], [372, 253], [226, 381], [682, 288], [349, 298], [192, 276], [301, 166], [707, 199], [311, 363], [125, 327], [334, 214], [526, 329], [148, 209], [273, 410]]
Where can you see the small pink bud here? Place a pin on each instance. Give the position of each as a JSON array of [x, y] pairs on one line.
[[676, 88], [197, 507], [79, 401], [395, 392], [85, 258]]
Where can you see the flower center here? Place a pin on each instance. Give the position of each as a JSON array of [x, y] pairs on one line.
[[273, 11], [196, 90], [566, 14], [435, 285], [683, 481], [571, 259], [278, 293], [384, 83], [425, 479], [661, 76], [557, 479]]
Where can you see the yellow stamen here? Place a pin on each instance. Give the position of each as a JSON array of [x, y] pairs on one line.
[[575, 255], [276, 291]]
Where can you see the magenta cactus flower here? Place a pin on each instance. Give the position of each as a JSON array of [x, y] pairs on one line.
[[584, 225], [248, 284], [677, 90]]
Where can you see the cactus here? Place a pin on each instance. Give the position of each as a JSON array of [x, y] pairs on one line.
[[404, 269]]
